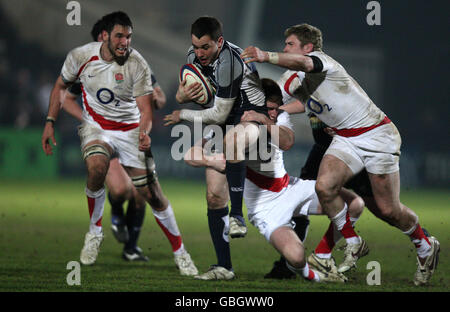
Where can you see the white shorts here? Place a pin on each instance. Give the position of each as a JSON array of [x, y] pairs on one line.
[[269, 210], [377, 150], [124, 144]]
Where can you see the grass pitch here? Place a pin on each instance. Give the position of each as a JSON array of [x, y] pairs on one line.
[[42, 228]]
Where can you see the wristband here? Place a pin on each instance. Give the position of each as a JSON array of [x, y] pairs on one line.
[[273, 57], [50, 119]]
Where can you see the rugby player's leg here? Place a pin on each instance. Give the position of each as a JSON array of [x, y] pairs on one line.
[[236, 142], [96, 155], [147, 184], [287, 243], [120, 189], [218, 220], [333, 173], [386, 191]]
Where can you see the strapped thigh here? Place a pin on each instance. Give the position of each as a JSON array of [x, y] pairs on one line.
[[144, 180], [95, 149]]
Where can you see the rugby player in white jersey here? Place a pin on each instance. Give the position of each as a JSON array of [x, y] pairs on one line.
[[117, 118], [365, 138], [126, 227], [272, 197], [238, 89]]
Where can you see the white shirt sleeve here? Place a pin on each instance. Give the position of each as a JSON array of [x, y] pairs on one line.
[[71, 66], [284, 120]]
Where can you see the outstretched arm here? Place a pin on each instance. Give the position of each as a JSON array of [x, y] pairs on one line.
[[287, 60]]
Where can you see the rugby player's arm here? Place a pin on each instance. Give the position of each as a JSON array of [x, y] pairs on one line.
[[70, 105], [217, 114], [285, 135], [292, 61], [52, 115], [294, 107], [145, 123], [196, 157], [159, 98]]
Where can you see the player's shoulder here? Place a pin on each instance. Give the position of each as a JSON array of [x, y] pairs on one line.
[[328, 61], [136, 57], [230, 53], [86, 51]]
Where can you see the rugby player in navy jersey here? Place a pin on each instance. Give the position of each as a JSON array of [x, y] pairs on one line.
[[238, 89]]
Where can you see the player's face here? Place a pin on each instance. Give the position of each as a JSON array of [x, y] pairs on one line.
[[119, 43], [293, 45], [272, 109], [206, 49]]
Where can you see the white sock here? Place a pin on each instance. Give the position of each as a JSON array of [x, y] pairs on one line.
[[166, 220], [305, 272], [96, 203]]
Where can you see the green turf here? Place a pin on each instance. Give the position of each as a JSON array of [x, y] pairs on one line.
[[42, 227]]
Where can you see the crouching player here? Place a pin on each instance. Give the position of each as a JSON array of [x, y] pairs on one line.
[[273, 197]]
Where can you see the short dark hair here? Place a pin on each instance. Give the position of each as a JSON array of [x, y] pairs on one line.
[[207, 25], [272, 91], [97, 29], [115, 18]]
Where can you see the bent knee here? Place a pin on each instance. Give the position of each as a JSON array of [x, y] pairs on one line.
[[215, 201], [326, 190]]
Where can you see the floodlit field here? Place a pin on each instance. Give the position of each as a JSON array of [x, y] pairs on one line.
[[42, 228]]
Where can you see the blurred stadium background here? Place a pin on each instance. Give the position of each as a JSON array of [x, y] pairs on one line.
[[402, 64]]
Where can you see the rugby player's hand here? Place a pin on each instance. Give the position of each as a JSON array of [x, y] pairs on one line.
[[217, 162], [254, 54], [47, 135], [172, 118], [144, 141], [188, 93], [251, 115], [329, 131]]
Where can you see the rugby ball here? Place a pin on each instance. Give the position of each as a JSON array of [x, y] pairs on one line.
[[193, 74]]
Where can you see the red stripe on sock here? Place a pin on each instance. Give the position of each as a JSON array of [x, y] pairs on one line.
[[419, 234], [327, 243], [99, 222], [311, 275], [91, 205], [348, 230], [175, 241]]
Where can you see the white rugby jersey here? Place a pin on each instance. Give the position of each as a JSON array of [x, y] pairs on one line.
[[332, 95], [109, 90], [274, 167], [268, 178]]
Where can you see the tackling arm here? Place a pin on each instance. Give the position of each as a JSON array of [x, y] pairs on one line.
[[294, 107], [292, 61]]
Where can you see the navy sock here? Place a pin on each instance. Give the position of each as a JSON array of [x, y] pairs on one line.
[[219, 238], [135, 219], [116, 209], [235, 173]]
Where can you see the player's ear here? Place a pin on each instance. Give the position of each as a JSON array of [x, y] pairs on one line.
[[105, 35], [220, 42], [309, 47]]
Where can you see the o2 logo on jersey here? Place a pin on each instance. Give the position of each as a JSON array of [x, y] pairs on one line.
[[316, 107], [106, 96]]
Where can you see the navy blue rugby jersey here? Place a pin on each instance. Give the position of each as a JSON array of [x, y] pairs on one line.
[[232, 78]]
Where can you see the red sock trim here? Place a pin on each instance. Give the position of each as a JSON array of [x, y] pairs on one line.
[[91, 205], [419, 234], [348, 231], [327, 243], [311, 275], [175, 241]]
